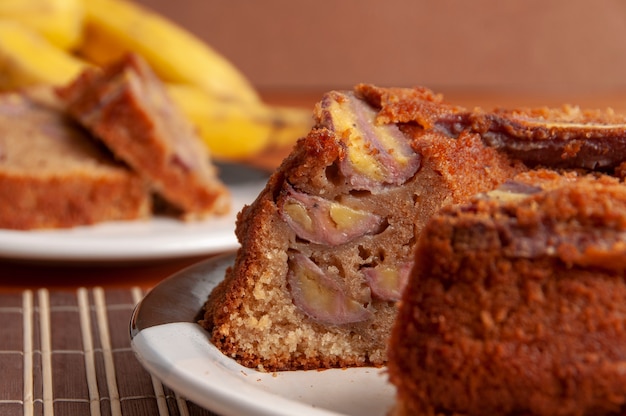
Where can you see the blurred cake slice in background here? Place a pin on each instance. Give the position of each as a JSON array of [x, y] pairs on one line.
[[127, 107], [53, 174]]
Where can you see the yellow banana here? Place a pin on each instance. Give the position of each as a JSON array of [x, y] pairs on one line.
[[26, 59], [290, 124], [231, 130], [114, 27], [59, 21], [238, 131]]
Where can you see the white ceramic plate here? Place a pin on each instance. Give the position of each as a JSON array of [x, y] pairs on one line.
[[157, 238], [179, 353]]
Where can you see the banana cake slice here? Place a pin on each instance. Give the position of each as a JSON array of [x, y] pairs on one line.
[[54, 175], [127, 107], [327, 247]]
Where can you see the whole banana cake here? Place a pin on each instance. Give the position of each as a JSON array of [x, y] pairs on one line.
[[328, 246]]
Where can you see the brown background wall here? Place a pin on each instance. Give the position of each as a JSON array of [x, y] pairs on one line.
[[545, 45]]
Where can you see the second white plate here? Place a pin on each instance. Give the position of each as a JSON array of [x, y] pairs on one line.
[[156, 238]]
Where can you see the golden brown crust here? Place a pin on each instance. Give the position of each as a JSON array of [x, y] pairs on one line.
[[126, 106], [565, 137], [403, 105]]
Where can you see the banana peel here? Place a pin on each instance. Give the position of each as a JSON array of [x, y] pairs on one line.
[[116, 27]]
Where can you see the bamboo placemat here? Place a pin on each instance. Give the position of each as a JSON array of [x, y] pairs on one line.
[[68, 353]]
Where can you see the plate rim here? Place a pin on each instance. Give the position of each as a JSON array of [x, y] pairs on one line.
[[164, 368]]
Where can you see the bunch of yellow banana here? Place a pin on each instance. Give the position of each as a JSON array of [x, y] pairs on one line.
[[59, 21], [52, 41]]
